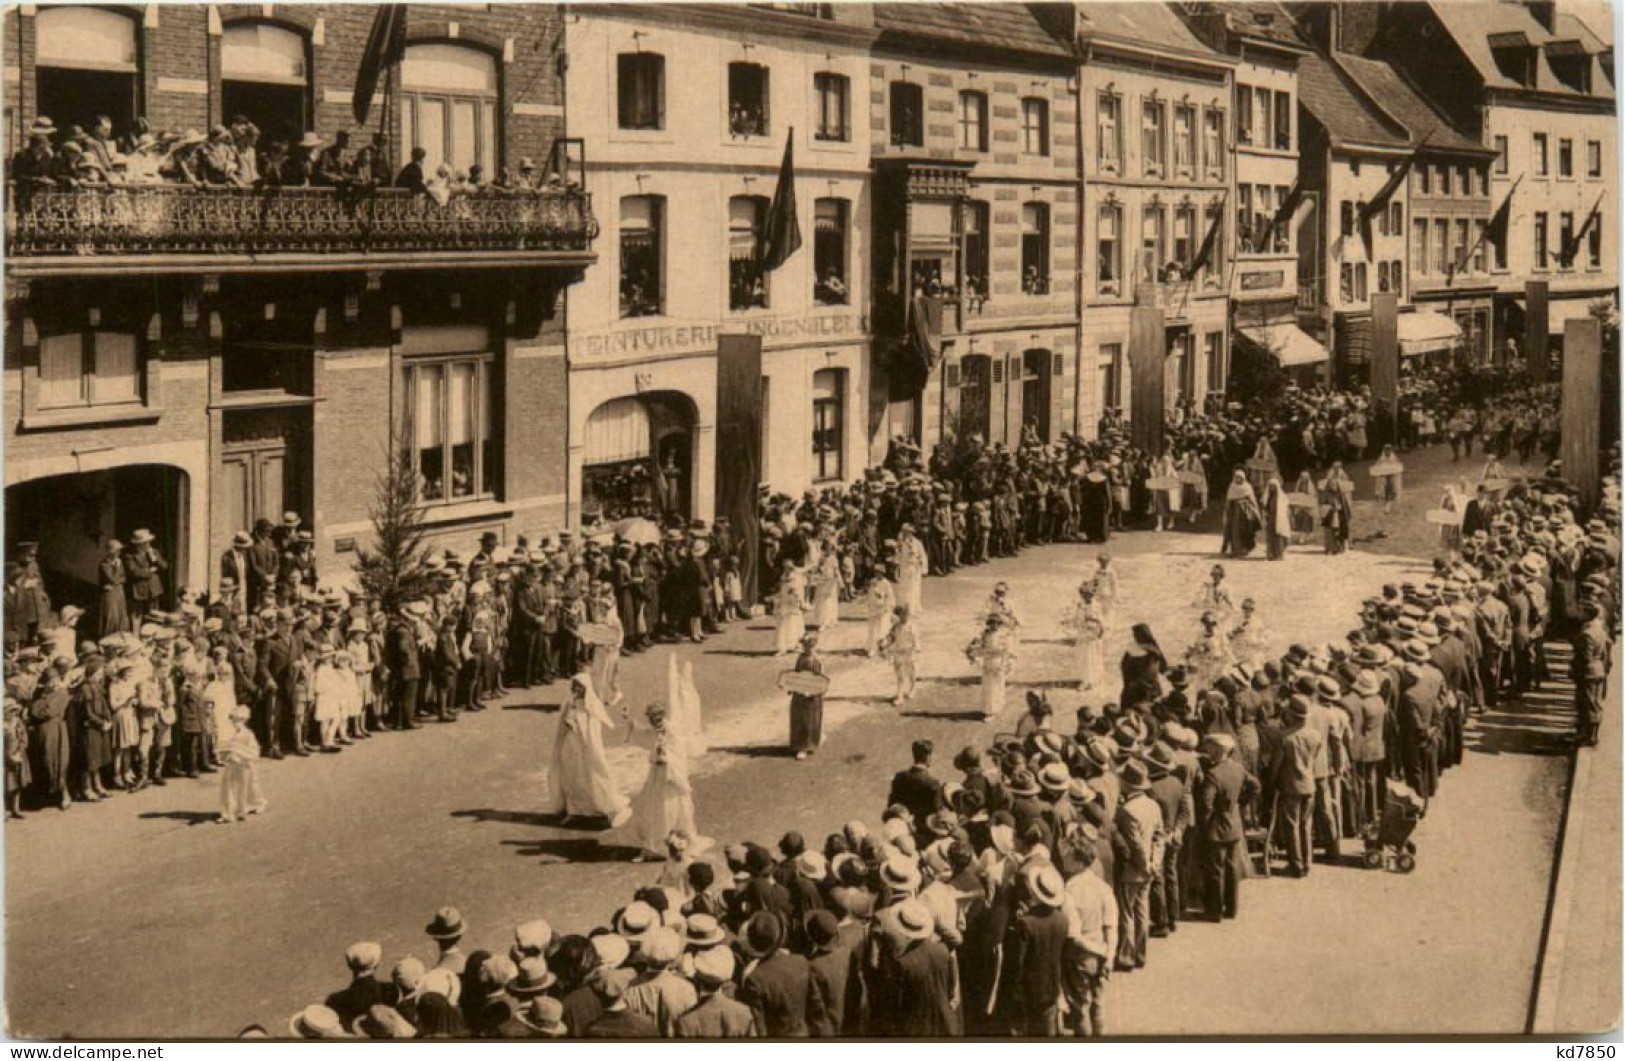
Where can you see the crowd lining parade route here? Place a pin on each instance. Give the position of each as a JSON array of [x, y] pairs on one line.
[[365, 845]]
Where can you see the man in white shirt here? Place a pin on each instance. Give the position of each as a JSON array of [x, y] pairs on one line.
[[1091, 914]]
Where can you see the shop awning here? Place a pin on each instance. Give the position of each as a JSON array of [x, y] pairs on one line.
[[1559, 311], [1290, 344], [1424, 332], [617, 431]]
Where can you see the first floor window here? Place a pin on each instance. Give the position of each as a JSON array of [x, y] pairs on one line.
[[1213, 142], [1593, 158], [1396, 277], [907, 114], [1594, 244], [1109, 131], [1035, 249], [1419, 245], [1151, 240], [833, 109], [973, 121], [747, 281], [1109, 251], [1214, 342], [827, 422], [1479, 228], [640, 83], [1500, 155], [829, 252], [1184, 235], [1458, 259], [1035, 126], [81, 369], [449, 103], [1540, 241], [451, 426], [1441, 244], [1111, 375], [642, 231], [1153, 137], [747, 99], [1565, 239], [976, 250]]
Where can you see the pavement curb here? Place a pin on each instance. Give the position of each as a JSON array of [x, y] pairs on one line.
[[1554, 939]]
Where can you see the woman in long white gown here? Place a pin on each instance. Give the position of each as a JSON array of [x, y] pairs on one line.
[[911, 564], [1088, 638], [992, 650], [606, 655], [666, 802], [827, 592], [1107, 590], [578, 781], [878, 603], [789, 610]]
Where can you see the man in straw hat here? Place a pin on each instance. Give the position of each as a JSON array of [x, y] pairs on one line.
[[715, 1015], [1137, 856]]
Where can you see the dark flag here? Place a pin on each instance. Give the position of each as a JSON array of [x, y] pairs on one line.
[[739, 448], [1380, 202], [1572, 245], [1205, 252], [1283, 214], [783, 228], [1495, 233], [385, 44], [924, 331]]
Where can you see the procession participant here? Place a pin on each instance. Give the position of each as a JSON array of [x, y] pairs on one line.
[[114, 615], [1303, 516], [1193, 476], [880, 601], [1088, 631], [807, 710], [1337, 519], [1389, 473], [1213, 598], [239, 784], [1166, 498], [910, 565], [1143, 666], [1107, 589], [901, 645], [1097, 515], [993, 651], [578, 779], [1275, 513], [1241, 517], [827, 587], [998, 603], [1209, 656], [789, 606], [665, 804]]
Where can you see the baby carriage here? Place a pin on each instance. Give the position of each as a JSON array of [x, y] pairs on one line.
[[1388, 843]]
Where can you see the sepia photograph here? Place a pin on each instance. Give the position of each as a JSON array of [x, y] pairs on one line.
[[904, 520]]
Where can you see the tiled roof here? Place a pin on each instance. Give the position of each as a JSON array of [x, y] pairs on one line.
[[1329, 95], [1010, 26], [1151, 23], [1395, 95], [1263, 20], [1471, 25]]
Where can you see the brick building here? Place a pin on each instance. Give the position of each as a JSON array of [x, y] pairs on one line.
[[974, 120], [191, 359]]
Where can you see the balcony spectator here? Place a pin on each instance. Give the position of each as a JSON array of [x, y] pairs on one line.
[[411, 176], [98, 144], [218, 162], [335, 168], [300, 170], [272, 166], [31, 167], [245, 136]]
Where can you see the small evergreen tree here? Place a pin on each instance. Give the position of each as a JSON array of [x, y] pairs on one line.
[[391, 569]]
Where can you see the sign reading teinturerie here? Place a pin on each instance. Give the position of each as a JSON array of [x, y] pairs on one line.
[[599, 634], [1444, 517], [803, 683]]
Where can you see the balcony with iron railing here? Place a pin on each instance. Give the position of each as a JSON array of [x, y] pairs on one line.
[[122, 228]]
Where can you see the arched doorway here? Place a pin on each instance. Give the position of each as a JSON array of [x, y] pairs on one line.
[[638, 457], [975, 396], [73, 516], [1035, 391]]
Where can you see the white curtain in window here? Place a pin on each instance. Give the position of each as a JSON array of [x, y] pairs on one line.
[[460, 421], [61, 368], [617, 431], [85, 38], [116, 375], [430, 385], [263, 53]]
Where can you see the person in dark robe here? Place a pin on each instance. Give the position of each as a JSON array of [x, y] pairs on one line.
[[115, 613], [93, 721], [1095, 505], [48, 737], [1337, 521], [807, 712], [1143, 665], [1241, 517]]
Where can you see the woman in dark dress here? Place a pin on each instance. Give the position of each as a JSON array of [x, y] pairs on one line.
[[1143, 666], [807, 712], [1095, 505], [115, 615], [48, 716], [93, 718]]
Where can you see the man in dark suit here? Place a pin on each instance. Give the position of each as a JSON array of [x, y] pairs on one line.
[[1476, 517], [763, 891], [1034, 945], [234, 562], [837, 979], [282, 652], [1225, 788], [364, 990], [144, 579], [403, 662], [264, 561], [779, 986], [919, 979], [917, 789], [411, 176]]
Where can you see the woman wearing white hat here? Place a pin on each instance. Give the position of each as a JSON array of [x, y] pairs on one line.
[[1088, 629], [665, 805]]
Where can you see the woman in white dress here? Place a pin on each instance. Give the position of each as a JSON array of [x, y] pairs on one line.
[[1088, 638], [1107, 591], [361, 663], [827, 592], [789, 610], [331, 690], [992, 650], [1389, 473], [606, 656], [683, 702], [666, 802], [1193, 477], [578, 781], [878, 604], [1166, 500], [911, 564], [1454, 500]]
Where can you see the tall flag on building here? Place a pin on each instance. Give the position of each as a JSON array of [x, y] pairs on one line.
[[1571, 246], [1204, 253], [783, 228], [1284, 213], [1495, 234], [1385, 195], [385, 45]]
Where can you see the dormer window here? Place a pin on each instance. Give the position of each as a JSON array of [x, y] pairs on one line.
[[1514, 57]]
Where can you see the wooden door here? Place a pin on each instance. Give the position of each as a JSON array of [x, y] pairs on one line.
[[253, 483]]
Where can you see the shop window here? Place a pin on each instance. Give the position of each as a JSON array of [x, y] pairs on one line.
[[830, 252], [452, 427], [93, 368], [264, 77], [640, 86], [907, 114], [87, 65], [747, 280], [1035, 126], [834, 107], [828, 415], [643, 242], [1035, 249], [1109, 251], [449, 107], [976, 253], [747, 99], [973, 121]]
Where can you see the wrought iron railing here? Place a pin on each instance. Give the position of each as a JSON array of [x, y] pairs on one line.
[[182, 219]]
